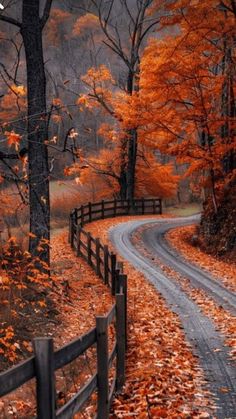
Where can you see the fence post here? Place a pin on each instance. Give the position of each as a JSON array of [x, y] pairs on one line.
[[98, 271], [154, 206], [89, 253], [123, 284], [102, 367], [120, 266], [76, 216], [160, 203], [113, 274], [78, 231], [121, 341], [117, 281], [44, 366], [70, 230], [82, 215], [106, 267], [103, 213], [143, 206], [115, 204], [128, 206], [90, 211]]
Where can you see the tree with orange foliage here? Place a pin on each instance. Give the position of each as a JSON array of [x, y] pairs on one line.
[[125, 26], [101, 174], [186, 102]]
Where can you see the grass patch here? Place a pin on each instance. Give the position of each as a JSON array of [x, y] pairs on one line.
[[183, 210]]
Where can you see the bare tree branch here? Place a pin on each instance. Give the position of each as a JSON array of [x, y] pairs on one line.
[[10, 20], [46, 13]]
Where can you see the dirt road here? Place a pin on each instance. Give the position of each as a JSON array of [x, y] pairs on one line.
[[206, 341]]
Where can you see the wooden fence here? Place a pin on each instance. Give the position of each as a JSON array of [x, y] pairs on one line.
[[105, 209], [46, 361]]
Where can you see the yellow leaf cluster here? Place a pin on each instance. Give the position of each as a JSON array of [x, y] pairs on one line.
[[89, 21]]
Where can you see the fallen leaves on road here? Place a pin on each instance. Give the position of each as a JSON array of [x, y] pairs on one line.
[[181, 237], [163, 378], [223, 319]]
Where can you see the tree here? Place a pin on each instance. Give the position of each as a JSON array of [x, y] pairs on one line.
[[31, 29], [186, 102], [103, 172], [125, 26]]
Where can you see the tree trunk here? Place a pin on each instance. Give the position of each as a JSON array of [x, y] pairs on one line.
[[132, 144], [123, 185], [132, 157], [123, 169], [31, 31]]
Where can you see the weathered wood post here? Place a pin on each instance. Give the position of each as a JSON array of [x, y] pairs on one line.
[[90, 211], [154, 206], [45, 381], [82, 215], [70, 230], [113, 274], [128, 206], [103, 212], [123, 289], [117, 281], [106, 264], [121, 341], [102, 367], [98, 270], [120, 266], [143, 206], [89, 245], [76, 216], [78, 233]]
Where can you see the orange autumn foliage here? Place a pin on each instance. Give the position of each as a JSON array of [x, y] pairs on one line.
[[13, 103], [87, 22], [57, 18], [152, 177], [185, 105], [155, 179], [20, 274], [13, 139], [102, 175]]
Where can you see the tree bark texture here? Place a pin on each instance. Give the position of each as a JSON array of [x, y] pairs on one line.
[[131, 165], [132, 138], [31, 30]]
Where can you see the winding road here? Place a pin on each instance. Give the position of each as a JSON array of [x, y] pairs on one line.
[[206, 341]]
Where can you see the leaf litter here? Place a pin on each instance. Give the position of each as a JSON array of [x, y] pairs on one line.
[[163, 377]]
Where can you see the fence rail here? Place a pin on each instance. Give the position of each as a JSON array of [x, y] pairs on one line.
[[105, 209], [46, 361]]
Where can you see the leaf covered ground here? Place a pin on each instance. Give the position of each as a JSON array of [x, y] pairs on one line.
[[221, 268], [163, 378], [77, 296]]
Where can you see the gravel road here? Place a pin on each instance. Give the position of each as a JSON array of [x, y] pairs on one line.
[[206, 341]]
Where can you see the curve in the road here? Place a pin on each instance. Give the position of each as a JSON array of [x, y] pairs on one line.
[[207, 343], [154, 239]]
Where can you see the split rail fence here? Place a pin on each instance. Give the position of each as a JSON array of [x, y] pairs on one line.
[[46, 361]]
